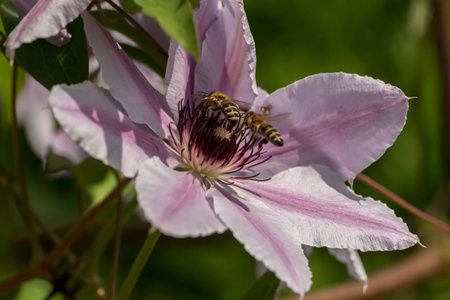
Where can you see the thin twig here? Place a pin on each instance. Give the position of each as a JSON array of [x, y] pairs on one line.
[[105, 17], [412, 270], [117, 239], [35, 246], [412, 209], [137, 25], [45, 266]]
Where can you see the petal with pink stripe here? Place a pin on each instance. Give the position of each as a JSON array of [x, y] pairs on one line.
[[99, 125], [343, 121], [175, 202], [269, 238], [323, 212], [143, 104]]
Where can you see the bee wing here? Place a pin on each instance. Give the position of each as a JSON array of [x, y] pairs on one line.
[[196, 97], [277, 118], [242, 105]]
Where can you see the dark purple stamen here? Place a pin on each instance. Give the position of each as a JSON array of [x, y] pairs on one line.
[[200, 125]]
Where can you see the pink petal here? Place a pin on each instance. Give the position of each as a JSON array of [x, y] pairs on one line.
[[36, 117], [44, 20], [241, 51], [315, 203], [63, 146], [354, 265], [179, 79], [228, 61], [269, 238], [93, 119], [205, 15], [340, 120], [144, 105], [175, 202]]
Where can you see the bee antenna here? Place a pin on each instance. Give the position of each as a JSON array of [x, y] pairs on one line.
[[202, 93]]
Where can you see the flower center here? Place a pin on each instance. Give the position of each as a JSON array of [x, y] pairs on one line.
[[212, 149]]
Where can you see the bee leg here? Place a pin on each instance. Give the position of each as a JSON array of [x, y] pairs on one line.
[[262, 142]]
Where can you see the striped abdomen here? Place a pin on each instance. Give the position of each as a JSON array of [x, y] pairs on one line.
[[231, 112], [270, 133]]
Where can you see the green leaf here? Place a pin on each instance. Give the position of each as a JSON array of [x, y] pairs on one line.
[[138, 265], [36, 289], [130, 7], [149, 54], [47, 63], [264, 288], [175, 16]]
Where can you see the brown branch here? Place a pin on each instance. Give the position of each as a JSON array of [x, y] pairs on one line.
[[46, 265], [412, 270], [412, 209]]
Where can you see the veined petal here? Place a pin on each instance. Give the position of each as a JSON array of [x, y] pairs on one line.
[[225, 64], [45, 19], [93, 119], [211, 73], [175, 202], [324, 212], [266, 236], [144, 105], [241, 51], [205, 15], [179, 79], [344, 121], [354, 264]]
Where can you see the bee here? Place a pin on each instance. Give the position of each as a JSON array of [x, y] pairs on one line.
[[260, 125], [229, 108]]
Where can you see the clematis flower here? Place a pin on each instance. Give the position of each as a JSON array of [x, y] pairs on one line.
[[198, 175]]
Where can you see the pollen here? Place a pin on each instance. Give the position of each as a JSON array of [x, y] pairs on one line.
[[222, 133]]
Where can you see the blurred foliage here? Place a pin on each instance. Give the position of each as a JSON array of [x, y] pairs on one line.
[[394, 41]]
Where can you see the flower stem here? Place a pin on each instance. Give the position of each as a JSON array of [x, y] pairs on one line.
[[138, 264], [35, 245], [412, 209], [117, 240]]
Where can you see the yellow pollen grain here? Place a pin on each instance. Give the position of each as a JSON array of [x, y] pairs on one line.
[[222, 133]]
